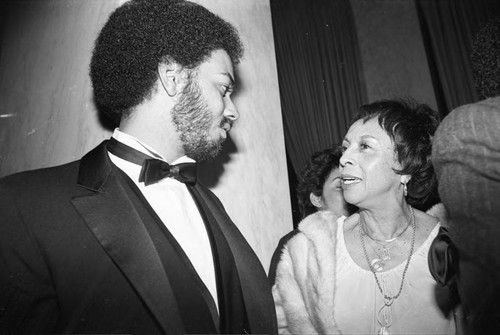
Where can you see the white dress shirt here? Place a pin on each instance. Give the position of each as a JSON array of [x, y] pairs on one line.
[[174, 205]]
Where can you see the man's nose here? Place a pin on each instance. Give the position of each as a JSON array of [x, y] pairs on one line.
[[230, 110]]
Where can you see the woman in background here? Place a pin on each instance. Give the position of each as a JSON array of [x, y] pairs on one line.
[[368, 273], [319, 188], [319, 184]]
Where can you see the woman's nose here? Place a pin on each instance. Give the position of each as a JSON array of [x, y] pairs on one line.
[[345, 158]]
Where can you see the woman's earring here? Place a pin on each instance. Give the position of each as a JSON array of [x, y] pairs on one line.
[[405, 190]]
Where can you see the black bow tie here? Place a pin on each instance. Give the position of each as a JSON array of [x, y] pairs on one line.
[[153, 170]]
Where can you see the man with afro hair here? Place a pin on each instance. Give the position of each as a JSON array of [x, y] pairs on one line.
[[126, 240], [466, 158]]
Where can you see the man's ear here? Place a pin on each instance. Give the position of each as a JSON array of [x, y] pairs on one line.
[[171, 75], [315, 200]]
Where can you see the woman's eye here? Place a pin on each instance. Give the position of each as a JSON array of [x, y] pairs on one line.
[[364, 146]]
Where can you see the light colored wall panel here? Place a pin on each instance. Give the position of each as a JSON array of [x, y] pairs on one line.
[[49, 117], [259, 165], [45, 53]]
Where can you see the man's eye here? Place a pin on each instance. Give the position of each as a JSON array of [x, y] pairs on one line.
[[225, 90]]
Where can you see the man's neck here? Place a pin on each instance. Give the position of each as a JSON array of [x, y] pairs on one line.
[[154, 128]]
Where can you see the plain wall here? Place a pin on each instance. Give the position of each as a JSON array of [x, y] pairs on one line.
[[47, 115], [392, 50]]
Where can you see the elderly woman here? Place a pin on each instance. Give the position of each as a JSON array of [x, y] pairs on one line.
[[368, 273]]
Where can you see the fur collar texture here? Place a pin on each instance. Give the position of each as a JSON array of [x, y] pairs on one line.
[[305, 278]]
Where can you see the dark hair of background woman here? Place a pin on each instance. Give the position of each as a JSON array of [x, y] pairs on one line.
[[313, 177]]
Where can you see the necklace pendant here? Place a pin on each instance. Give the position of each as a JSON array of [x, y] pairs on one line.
[[386, 254], [377, 264], [384, 318], [383, 331]]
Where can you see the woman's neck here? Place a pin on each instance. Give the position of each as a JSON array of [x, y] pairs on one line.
[[385, 224]]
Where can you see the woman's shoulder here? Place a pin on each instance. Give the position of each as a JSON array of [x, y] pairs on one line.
[[316, 229], [428, 222], [318, 223], [439, 212], [312, 243]]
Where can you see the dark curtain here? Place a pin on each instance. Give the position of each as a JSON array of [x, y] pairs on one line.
[[447, 29], [320, 75]]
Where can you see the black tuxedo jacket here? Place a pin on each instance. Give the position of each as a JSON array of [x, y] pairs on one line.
[[76, 258]]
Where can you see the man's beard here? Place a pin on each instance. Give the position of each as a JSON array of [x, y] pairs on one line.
[[193, 120]]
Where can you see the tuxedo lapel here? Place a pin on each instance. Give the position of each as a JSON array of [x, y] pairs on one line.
[[254, 284], [111, 217]]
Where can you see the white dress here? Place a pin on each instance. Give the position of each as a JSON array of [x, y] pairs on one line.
[[416, 311]]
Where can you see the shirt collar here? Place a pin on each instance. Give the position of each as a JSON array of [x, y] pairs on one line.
[[135, 143]]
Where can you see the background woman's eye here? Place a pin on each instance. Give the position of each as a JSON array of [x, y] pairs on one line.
[[364, 146]]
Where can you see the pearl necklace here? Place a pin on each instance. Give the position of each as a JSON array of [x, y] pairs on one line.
[[384, 315]]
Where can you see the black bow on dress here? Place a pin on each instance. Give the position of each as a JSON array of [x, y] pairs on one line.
[[443, 258]]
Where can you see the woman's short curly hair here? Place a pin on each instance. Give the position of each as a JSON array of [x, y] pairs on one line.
[[142, 33], [313, 177], [410, 126]]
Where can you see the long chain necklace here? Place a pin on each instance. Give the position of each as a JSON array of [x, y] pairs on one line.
[[379, 262], [384, 315]]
